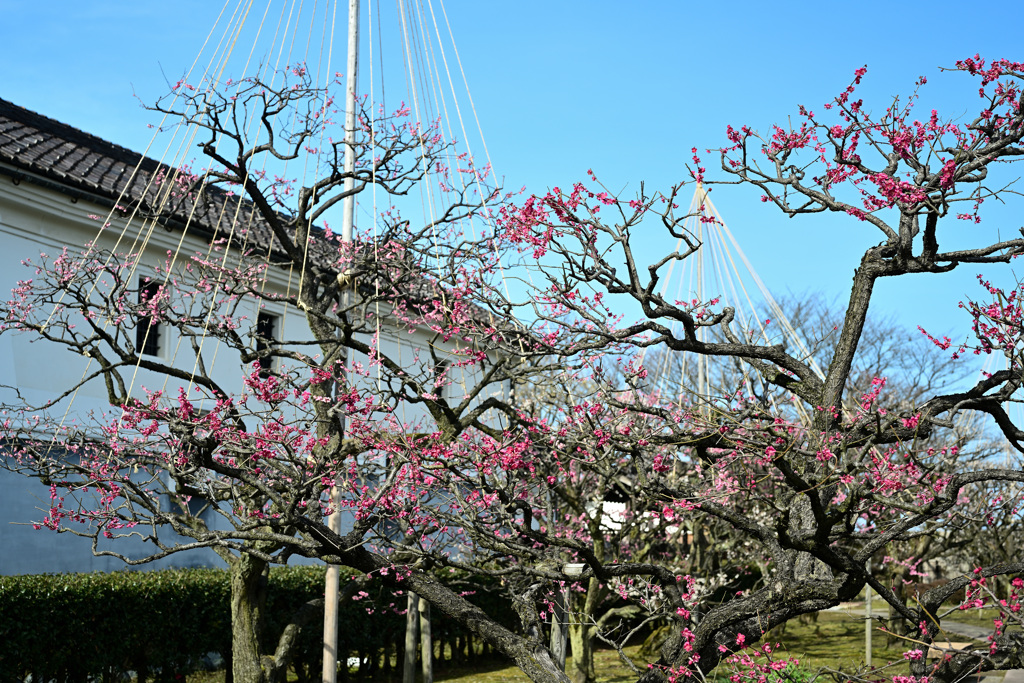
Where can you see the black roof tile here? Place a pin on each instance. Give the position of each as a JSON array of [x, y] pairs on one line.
[[82, 164]]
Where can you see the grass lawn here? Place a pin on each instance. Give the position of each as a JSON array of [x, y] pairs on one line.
[[835, 642], [610, 669]]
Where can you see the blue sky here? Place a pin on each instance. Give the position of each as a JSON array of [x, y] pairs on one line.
[[562, 86]]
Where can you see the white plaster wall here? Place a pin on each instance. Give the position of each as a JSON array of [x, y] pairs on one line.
[[33, 219], [25, 550]]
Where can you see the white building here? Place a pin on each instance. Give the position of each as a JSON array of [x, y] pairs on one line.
[[55, 181]]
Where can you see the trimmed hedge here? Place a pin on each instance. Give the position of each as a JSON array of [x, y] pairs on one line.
[[73, 627], [70, 626]]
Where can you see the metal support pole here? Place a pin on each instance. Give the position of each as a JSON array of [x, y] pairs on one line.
[[331, 588], [426, 642], [349, 203], [559, 630], [412, 621], [867, 625]]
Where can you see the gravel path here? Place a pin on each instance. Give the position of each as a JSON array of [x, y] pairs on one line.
[[967, 630]]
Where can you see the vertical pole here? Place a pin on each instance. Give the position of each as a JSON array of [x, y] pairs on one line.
[[559, 630], [426, 642], [867, 625], [331, 587], [349, 203], [703, 383], [412, 619]]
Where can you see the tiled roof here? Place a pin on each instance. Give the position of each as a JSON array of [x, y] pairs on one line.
[[39, 149], [35, 148]]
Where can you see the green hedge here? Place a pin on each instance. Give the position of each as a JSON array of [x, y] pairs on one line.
[[70, 627], [365, 626]]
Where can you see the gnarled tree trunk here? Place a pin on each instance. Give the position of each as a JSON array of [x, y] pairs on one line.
[[581, 669], [248, 601]]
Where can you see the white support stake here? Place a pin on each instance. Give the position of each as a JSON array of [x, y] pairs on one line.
[[331, 587], [867, 625]]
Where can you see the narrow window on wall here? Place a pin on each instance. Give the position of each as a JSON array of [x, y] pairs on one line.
[[442, 381], [147, 331], [266, 334]]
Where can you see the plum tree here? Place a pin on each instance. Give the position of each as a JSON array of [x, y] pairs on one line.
[[519, 428]]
